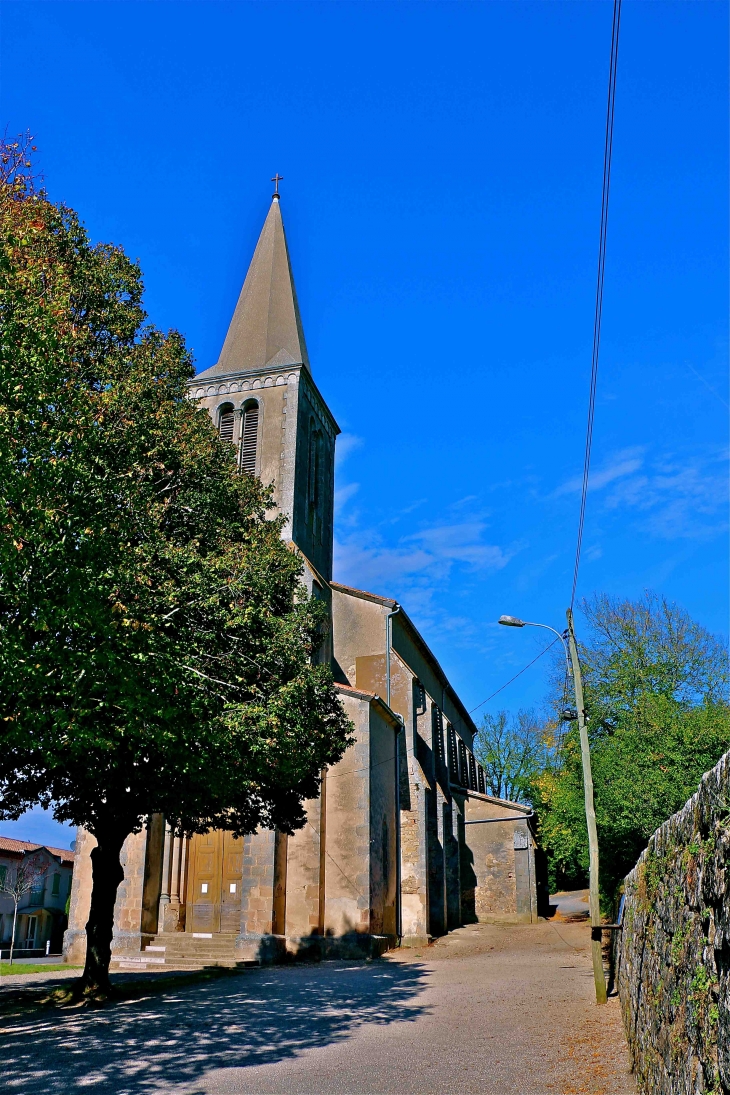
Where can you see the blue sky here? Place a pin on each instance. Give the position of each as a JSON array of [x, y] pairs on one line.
[[442, 171]]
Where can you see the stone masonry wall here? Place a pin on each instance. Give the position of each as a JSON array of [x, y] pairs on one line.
[[673, 955]]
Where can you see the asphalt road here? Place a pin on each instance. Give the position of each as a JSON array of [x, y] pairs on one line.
[[488, 1010]]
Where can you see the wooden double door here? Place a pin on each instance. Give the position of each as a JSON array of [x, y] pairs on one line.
[[214, 882]]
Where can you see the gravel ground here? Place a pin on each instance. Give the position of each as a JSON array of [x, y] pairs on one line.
[[489, 1010]]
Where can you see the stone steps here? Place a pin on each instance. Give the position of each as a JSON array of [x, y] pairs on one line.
[[197, 951], [182, 951]]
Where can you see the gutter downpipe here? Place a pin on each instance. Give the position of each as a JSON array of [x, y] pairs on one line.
[[399, 902]]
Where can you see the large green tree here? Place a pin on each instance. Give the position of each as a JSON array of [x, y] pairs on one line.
[[157, 649], [656, 687]]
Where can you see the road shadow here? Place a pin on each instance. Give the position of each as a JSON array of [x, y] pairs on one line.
[[154, 1044]]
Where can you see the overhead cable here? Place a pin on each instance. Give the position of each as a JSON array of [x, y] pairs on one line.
[[548, 647], [607, 153]]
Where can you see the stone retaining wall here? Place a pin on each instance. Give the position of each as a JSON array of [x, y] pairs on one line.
[[673, 955]]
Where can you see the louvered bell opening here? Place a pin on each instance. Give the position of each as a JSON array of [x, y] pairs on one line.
[[249, 439], [225, 426]]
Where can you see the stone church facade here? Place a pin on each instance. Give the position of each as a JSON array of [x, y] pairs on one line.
[[403, 843]]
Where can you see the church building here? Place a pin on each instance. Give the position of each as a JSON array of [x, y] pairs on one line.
[[403, 844]]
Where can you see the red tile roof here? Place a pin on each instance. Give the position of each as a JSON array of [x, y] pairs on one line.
[[358, 691], [8, 844]]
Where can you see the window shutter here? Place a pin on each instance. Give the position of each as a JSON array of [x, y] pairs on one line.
[[249, 439], [225, 426], [453, 755], [438, 732], [463, 765]]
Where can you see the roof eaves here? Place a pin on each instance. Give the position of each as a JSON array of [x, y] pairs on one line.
[[364, 595], [222, 376], [507, 803]]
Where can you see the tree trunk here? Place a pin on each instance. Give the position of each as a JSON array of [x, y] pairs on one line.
[[107, 873], [12, 937]]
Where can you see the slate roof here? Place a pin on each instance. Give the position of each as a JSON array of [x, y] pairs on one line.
[[8, 844], [266, 329]]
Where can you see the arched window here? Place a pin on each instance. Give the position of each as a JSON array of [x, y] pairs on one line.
[[249, 437], [226, 422]]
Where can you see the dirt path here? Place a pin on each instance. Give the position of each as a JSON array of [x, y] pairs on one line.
[[489, 1010]]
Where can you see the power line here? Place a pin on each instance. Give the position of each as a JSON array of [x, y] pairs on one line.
[[537, 659], [607, 153]]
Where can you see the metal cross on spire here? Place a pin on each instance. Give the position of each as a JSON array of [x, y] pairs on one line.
[[276, 180]]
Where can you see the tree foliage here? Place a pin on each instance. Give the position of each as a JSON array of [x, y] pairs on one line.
[[512, 751], [656, 696], [157, 649]]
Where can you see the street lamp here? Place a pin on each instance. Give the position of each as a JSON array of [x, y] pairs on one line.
[[594, 899]]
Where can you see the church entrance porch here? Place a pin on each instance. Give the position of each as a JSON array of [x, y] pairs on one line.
[[214, 883]]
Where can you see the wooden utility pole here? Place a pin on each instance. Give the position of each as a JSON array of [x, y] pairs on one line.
[[594, 899]]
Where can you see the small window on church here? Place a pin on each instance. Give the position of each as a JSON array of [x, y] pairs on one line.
[[249, 438], [226, 422]]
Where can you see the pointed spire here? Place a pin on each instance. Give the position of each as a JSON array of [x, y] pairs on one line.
[[266, 328]]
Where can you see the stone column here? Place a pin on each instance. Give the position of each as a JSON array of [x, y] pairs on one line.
[[172, 916], [152, 874], [162, 915], [74, 939], [129, 907], [184, 869]]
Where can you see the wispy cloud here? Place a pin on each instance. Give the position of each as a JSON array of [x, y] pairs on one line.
[[343, 495], [680, 496], [621, 464], [347, 443], [460, 543], [416, 565], [421, 559]]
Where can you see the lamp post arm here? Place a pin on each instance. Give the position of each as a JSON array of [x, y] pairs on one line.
[[530, 623]]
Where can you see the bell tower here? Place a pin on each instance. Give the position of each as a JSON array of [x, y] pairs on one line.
[[263, 399]]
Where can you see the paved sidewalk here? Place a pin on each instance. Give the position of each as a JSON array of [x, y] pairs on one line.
[[489, 1010]]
